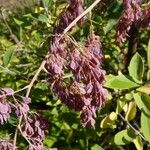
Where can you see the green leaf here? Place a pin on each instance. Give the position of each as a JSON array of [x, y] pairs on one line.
[[120, 105], [128, 97], [18, 22], [109, 25], [108, 121], [120, 82], [148, 54], [124, 137], [131, 112], [136, 68], [145, 89], [7, 57], [12, 121], [46, 3], [148, 75], [143, 102], [96, 147], [5, 42], [145, 126], [43, 18], [49, 141], [138, 143]]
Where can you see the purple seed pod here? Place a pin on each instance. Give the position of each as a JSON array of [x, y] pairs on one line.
[[22, 109], [87, 117], [132, 13], [35, 129], [8, 91], [6, 145], [127, 3], [84, 90], [124, 25], [144, 21], [5, 111], [74, 9], [5, 108]]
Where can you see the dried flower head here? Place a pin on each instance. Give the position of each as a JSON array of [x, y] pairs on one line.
[[144, 20], [74, 9], [5, 108], [35, 129], [133, 13], [83, 91], [6, 145]]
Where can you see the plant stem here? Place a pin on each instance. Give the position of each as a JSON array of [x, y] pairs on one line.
[[81, 16], [135, 130]]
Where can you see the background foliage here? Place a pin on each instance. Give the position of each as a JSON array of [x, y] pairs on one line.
[[123, 123]]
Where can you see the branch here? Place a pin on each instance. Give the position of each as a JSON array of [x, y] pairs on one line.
[[81, 16], [14, 92], [13, 36], [35, 77], [135, 130]]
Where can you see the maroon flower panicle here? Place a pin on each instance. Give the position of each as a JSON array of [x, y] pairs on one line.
[[6, 145], [5, 108], [125, 22], [83, 91], [73, 11], [35, 129], [132, 13], [144, 21]]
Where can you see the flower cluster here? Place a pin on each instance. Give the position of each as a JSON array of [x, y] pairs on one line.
[[74, 10], [14, 106], [5, 108], [33, 127], [6, 145], [83, 91], [144, 21], [133, 13]]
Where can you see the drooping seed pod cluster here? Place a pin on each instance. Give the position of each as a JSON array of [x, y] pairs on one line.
[[33, 126], [83, 91], [35, 129], [133, 13], [144, 21], [6, 145], [66, 17], [5, 107]]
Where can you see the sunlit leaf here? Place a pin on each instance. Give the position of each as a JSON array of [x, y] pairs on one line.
[[124, 137], [43, 18], [131, 112], [143, 102], [145, 126], [138, 143], [120, 105], [96, 147], [46, 3], [120, 82], [18, 22], [108, 121], [136, 68], [144, 89], [109, 25], [148, 54], [7, 57], [148, 74]]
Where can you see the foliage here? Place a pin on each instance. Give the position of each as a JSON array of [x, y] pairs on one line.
[[122, 122]]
